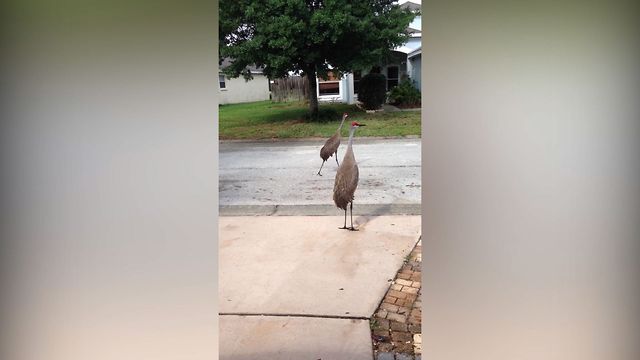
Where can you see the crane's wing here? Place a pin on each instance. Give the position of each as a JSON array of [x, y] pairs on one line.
[[330, 147], [345, 184], [354, 180]]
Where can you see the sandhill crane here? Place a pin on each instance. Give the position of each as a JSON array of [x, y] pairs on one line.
[[347, 179], [331, 146]]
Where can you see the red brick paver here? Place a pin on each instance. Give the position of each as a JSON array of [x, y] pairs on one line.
[[396, 324]]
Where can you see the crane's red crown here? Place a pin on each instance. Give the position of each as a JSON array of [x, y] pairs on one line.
[[355, 123]]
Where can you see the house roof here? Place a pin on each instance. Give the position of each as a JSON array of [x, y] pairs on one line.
[[415, 52], [416, 24], [254, 69], [403, 49], [411, 5]]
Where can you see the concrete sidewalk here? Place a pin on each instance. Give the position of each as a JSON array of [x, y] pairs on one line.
[[294, 287], [292, 338]]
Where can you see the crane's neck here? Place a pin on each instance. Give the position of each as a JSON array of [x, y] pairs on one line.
[[342, 123], [351, 132]]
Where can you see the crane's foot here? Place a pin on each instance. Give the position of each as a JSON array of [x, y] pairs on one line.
[[319, 174], [348, 228]]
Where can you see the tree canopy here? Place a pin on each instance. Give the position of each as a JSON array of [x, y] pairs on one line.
[[309, 37]]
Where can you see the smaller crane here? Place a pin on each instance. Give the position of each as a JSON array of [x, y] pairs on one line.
[[331, 145], [347, 179]]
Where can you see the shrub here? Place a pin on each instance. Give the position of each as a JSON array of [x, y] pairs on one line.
[[372, 91], [405, 95]]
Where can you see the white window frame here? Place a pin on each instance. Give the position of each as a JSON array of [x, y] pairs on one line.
[[223, 82], [330, 97]]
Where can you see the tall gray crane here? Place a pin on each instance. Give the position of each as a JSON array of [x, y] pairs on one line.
[[331, 145], [347, 179]]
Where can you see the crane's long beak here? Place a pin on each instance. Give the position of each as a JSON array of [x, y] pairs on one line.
[[362, 125]]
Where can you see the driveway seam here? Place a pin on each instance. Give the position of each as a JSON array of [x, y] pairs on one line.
[[343, 317]]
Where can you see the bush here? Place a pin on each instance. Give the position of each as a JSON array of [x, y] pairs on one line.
[[372, 91], [405, 95]]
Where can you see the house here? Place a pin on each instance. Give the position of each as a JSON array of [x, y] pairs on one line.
[[413, 47], [414, 66], [404, 61], [239, 90]]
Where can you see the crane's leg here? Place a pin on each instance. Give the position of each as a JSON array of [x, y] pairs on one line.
[[321, 167], [351, 228], [337, 158], [345, 219]]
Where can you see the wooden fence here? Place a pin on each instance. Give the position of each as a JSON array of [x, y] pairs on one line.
[[293, 88]]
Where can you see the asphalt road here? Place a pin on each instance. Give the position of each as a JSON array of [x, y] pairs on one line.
[[267, 177]]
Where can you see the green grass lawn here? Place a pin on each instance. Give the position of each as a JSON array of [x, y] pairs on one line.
[[267, 120]]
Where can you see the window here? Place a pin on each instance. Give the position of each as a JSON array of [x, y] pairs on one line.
[[392, 77], [357, 75], [223, 84], [331, 86]]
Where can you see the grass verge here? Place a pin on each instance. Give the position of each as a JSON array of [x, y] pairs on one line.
[[271, 120]]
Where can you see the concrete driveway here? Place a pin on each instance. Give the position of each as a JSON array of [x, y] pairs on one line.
[[297, 287], [292, 285], [306, 265]]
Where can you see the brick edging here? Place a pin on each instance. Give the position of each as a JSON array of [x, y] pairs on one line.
[[396, 324]]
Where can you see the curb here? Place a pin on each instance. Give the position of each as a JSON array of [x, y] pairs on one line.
[[318, 210]]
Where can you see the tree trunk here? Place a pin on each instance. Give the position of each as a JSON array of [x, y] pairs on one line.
[[313, 93]]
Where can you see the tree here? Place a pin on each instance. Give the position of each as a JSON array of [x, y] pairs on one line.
[[309, 37]]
